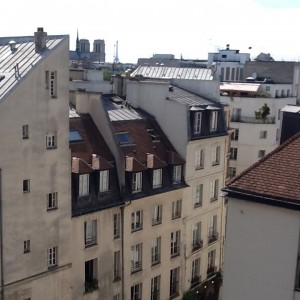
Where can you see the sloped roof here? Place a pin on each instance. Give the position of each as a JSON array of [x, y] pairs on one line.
[[16, 64], [173, 73], [275, 178]]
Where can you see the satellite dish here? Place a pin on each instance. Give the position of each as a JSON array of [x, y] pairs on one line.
[[254, 75]]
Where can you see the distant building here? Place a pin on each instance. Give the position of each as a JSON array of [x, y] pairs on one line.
[[262, 231]]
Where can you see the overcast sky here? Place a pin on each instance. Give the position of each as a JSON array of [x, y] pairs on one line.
[[190, 28]]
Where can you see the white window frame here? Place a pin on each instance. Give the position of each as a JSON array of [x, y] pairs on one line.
[[52, 256], [136, 220], [198, 195], [176, 209], [199, 159], [233, 153], [51, 141], [213, 229], [117, 225], [155, 250], [104, 181], [235, 134], [177, 170], [175, 243], [157, 215], [90, 233], [214, 189], [52, 201], [195, 269], [197, 122], [137, 181], [84, 185], [211, 260], [136, 257], [157, 178], [25, 131], [216, 154], [213, 122], [155, 288], [196, 236]]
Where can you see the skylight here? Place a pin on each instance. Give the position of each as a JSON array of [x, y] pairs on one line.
[[74, 136], [123, 138]]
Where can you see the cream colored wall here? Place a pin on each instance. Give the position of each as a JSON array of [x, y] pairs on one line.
[[145, 236], [25, 215]]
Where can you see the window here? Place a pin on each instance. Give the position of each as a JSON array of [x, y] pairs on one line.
[[137, 182], [199, 159], [212, 231], [235, 135], [277, 134], [279, 114], [216, 151], [198, 195], [117, 265], [136, 220], [176, 209], [213, 120], [26, 186], [157, 178], [26, 246], [74, 136], [211, 265], [261, 153], [50, 141], [197, 242], [25, 132], [176, 174], [214, 189], [123, 138], [53, 84], [175, 243], [195, 272], [52, 257], [155, 288], [236, 114], [104, 181], [47, 80], [267, 88], [197, 122], [233, 153], [90, 233], [136, 258], [155, 250], [174, 282], [157, 215], [136, 292], [232, 172], [84, 185], [91, 271], [52, 201], [117, 225], [116, 297], [263, 134]]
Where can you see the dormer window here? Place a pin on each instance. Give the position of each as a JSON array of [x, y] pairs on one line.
[[104, 181], [197, 122], [157, 178], [137, 182], [177, 174], [213, 120], [84, 185]]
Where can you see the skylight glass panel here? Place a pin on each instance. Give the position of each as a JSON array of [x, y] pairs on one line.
[[74, 136]]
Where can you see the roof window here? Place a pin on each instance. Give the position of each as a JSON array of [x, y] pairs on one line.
[[123, 138], [74, 136]]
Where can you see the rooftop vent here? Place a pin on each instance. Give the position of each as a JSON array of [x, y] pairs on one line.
[[12, 45], [40, 40], [2, 77]]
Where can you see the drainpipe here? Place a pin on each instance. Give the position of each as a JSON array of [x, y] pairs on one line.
[[122, 249], [1, 240]]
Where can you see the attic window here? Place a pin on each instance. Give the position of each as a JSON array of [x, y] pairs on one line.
[[154, 135], [74, 136], [123, 138]]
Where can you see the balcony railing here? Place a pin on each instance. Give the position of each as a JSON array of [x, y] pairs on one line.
[[136, 266], [91, 285], [211, 270], [197, 245], [253, 120], [213, 237], [90, 241], [195, 281]]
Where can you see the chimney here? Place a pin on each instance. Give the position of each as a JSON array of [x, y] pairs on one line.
[[40, 40]]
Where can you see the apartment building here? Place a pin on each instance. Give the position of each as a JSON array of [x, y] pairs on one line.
[[262, 232], [196, 127], [255, 106], [35, 218]]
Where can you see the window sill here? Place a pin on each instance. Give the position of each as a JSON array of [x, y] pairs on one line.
[[156, 223], [117, 279], [215, 164], [50, 268], [116, 237], [176, 217], [136, 271], [196, 205], [175, 255], [90, 245], [52, 208], [51, 148], [199, 168], [137, 229], [26, 251], [155, 263], [213, 199]]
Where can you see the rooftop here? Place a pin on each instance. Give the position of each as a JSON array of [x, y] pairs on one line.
[[272, 180]]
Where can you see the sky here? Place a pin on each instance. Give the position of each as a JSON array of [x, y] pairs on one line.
[[189, 28]]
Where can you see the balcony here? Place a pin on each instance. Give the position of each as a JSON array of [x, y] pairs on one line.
[[252, 120], [213, 237], [197, 245], [136, 266], [195, 281], [91, 285], [211, 270]]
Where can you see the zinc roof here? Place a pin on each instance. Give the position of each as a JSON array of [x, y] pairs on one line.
[[240, 87], [276, 176], [16, 64], [173, 73]]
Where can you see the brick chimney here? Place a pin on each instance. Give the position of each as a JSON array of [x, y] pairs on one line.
[[40, 40]]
